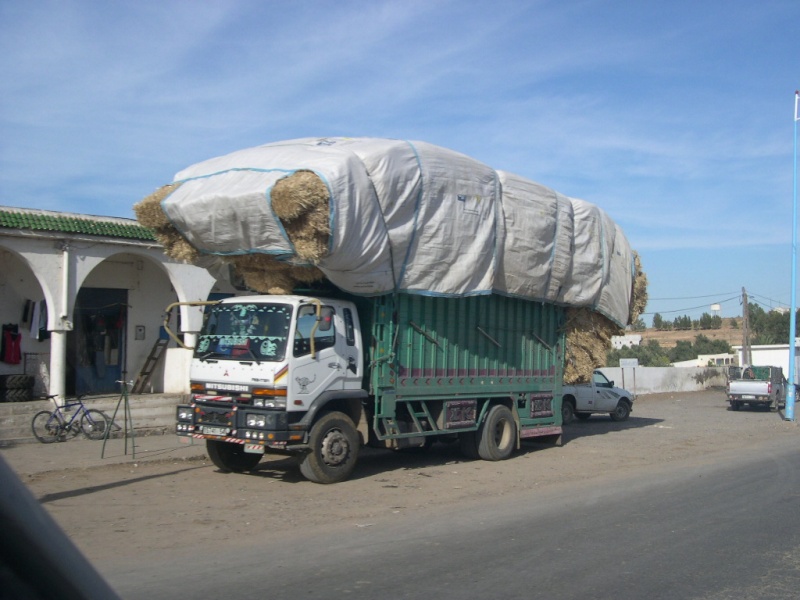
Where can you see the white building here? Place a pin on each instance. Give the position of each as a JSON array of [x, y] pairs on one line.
[[83, 299], [709, 360], [620, 341], [773, 355]]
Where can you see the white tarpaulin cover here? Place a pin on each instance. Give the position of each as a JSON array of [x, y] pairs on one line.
[[413, 217]]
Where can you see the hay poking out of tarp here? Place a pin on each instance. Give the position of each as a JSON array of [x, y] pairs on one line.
[[149, 211], [301, 201], [151, 215], [298, 193], [588, 340], [639, 296], [267, 275], [589, 333]]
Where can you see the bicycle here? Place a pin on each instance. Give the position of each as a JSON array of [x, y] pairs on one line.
[[58, 425]]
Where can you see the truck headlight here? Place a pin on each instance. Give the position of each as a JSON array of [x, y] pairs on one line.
[[185, 413], [270, 402], [256, 421]]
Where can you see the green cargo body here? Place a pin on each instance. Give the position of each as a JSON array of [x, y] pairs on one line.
[[438, 364]]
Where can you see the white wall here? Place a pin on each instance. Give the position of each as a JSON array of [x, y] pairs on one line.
[[654, 380]]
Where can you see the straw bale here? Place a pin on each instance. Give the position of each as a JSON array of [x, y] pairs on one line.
[[175, 245], [268, 275], [639, 295], [310, 233], [306, 274], [149, 212], [298, 193], [588, 339]]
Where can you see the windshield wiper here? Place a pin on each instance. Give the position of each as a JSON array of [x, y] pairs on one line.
[[253, 354]]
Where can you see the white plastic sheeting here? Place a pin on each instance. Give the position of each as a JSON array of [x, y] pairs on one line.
[[413, 217]]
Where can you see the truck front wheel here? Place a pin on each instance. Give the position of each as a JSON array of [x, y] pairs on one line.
[[231, 458], [621, 412], [333, 449], [497, 436]]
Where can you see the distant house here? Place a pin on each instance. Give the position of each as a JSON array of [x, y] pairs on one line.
[[620, 341], [709, 360]]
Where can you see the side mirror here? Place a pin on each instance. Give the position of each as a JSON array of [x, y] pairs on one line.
[[325, 319]]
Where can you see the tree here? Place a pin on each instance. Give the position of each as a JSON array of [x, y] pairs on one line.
[[769, 327], [704, 345], [683, 350], [649, 355], [658, 322], [639, 325]]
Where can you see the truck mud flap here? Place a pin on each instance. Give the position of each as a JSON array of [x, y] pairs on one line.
[[545, 435]]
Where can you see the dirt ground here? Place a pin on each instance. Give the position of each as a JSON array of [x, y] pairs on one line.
[[130, 509]]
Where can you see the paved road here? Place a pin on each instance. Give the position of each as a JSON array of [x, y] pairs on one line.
[[713, 530]]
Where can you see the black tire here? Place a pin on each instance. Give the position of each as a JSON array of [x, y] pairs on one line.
[[333, 449], [17, 395], [567, 411], [468, 445], [46, 427], [621, 412], [735, 405], [231, 458], [497, 437], [16, 382], [94, 424], [582, 416]]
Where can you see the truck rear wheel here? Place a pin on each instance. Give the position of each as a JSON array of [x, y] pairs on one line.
[[333, 453], [497, 437], [567, 410], [231, 458]]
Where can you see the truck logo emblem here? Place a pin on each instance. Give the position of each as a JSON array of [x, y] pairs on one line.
[[304, 382], [225, 374]]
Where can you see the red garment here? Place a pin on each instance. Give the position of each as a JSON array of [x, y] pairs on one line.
[[12, 353]]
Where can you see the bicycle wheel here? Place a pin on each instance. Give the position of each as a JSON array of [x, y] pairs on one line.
[[46, 427], [94, 424]]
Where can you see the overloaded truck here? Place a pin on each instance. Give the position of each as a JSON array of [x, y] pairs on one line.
[[449, 284], [319, 376]]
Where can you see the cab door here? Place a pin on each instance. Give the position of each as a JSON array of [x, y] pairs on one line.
[[604, 397], [312, 375]]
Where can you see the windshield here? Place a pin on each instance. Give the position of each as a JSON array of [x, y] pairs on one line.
[[244, 332]]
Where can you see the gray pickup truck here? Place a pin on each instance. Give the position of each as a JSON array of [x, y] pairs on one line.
[[763, 387]]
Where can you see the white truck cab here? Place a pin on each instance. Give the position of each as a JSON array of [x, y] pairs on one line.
[[600, 396]]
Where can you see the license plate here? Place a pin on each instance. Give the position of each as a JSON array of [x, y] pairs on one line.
[[254, 448], [215, 430], [748, 397]]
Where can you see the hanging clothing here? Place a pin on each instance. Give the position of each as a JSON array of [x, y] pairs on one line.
[[10, 345]]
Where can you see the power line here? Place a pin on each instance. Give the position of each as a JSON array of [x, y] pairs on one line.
[[696, 297], [690, 308]]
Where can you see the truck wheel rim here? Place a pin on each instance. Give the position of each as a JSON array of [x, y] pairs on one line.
[[334, 448]]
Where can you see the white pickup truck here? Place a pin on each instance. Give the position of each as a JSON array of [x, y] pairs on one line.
[[600, 396], [763, 387]]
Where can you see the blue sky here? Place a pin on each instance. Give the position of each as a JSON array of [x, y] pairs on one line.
[[674, 117]]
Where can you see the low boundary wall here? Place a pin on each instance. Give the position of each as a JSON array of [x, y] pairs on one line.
[[656, 380]]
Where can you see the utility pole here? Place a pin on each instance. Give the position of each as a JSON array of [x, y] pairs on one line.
[[791, 395], [746, 356]]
